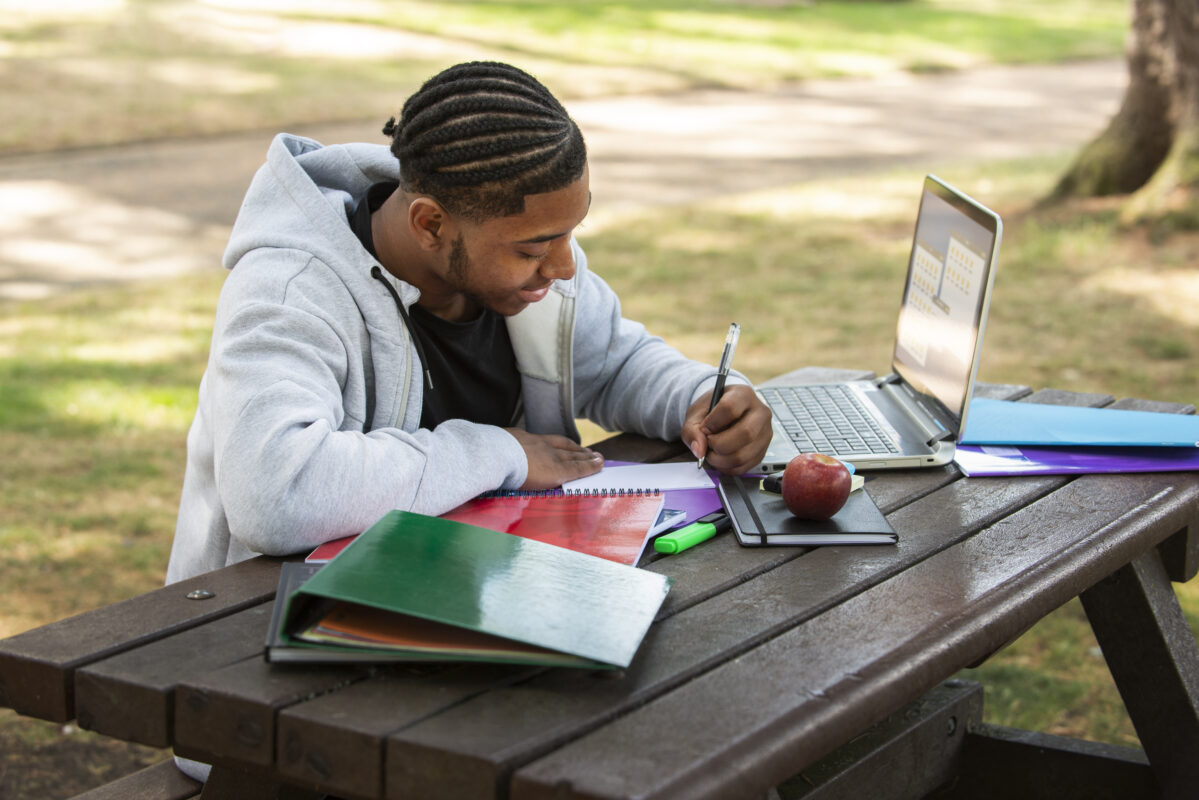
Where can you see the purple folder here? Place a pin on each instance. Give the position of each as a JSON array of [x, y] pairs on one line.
[[983, 460], [694, 503]]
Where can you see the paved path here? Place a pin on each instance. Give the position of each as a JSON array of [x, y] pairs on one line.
[[94, 216]]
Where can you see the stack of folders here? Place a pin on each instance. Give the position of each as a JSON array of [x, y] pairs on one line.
[[1013, 438], [420, 588]]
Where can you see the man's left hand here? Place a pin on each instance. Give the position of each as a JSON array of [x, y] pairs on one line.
[[735, 435]]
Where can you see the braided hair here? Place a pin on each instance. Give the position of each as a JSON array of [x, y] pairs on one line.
[[480, 136]]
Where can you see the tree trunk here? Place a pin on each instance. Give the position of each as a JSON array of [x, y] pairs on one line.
[[1151, 147], [1172, 193]]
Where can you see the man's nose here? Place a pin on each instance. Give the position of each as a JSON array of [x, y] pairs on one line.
[[560, 263]]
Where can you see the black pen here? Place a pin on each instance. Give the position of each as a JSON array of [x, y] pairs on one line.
[[722, 373]]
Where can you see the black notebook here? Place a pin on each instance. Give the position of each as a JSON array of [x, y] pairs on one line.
[[761, 518]]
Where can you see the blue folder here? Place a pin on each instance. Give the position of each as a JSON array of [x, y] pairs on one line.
[[1003, 422]]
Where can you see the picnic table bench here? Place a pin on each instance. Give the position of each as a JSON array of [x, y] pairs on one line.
[[789, 672]]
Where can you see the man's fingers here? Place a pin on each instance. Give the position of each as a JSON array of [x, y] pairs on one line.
[[562, 442], [738, 431], [694, 438], [737, 462], [555, 459], [733, 405], [581, 467]]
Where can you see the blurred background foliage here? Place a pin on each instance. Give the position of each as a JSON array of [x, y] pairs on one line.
[[98, 385]]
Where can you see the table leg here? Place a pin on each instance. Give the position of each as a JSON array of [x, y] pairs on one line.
[[1154, 660], [909, 754], [1180, 554]]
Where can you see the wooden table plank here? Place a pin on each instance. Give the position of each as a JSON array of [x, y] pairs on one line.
[[748, 724], [37, 668], [242, 698], [1175, 549], [161, 781], [470, 741], [227, 715], [131, 695], [723, 566], [631, 447], [336, 741], [495, 732], [710, 625]]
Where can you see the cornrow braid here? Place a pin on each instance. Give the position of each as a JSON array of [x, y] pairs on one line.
[[480, 137]]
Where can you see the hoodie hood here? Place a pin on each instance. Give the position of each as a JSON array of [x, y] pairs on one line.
[[299, 200]]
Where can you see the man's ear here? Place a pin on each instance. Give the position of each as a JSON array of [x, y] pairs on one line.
[[429, 223]]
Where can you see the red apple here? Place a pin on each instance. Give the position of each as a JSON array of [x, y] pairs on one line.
[[815, 486]]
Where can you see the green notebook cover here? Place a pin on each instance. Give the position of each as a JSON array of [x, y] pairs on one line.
[[558, 606]]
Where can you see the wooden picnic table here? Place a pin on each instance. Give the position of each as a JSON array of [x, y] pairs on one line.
[[826, 672]]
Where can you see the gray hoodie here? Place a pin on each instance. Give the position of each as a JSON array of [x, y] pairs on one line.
[[307, 427]]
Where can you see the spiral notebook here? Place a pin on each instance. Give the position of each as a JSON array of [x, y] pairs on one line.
[[687, 489], [611, 524]]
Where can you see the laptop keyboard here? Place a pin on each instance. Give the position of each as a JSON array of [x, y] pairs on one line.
[[827, 419]]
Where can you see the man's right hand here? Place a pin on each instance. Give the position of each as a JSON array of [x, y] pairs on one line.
[[553, 460]]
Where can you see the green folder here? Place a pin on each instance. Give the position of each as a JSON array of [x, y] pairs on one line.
[[477, 594]]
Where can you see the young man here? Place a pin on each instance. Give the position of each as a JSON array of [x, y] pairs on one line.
[[408, 329]]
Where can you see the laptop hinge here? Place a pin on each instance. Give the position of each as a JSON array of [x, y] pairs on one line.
[[940, 437], [895, 386]]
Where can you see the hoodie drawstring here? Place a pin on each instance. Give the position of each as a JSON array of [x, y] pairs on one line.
[[377, 274]]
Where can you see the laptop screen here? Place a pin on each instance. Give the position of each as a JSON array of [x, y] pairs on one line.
[[944, 307]]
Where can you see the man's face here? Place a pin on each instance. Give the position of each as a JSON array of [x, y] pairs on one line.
[[506, 263]]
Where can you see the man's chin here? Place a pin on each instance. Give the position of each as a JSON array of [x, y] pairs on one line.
[[509, 308]]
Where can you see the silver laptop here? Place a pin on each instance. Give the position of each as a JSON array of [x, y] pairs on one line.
[[911, 417]]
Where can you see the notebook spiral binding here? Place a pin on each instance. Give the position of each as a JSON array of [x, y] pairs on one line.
[[560, 492]]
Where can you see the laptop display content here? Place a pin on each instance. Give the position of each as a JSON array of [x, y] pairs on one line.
[[910, 418]]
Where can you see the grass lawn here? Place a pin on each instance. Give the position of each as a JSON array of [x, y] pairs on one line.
[[1080, 303], [86, 72], [97, 387]]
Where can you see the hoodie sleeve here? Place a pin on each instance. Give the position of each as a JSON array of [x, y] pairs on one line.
[[625, 378], [293, 462]]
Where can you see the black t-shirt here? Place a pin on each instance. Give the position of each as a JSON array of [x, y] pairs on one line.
[[471, 364]]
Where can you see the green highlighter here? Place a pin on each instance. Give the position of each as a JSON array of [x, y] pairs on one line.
[[701, 530]]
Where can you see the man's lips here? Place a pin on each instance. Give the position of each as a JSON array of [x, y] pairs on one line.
[[533, 295]]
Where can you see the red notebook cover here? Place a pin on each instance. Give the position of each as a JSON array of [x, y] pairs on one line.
[[612, 526]]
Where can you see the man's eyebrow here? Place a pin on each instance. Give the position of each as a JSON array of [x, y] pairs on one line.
[[551, 236], [539, 239]]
